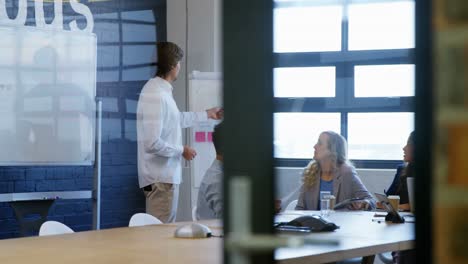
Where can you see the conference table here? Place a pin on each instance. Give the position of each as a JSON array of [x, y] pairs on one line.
[[359, 235]]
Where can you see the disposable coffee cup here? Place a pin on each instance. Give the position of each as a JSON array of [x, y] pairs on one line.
[[394, 201]]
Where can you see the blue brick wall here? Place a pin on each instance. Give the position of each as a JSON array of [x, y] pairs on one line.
[[119, 90]]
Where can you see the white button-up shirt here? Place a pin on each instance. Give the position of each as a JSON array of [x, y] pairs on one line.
[[159, 133]]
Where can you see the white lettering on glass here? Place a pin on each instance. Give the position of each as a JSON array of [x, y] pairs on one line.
[[84, 10], [57, 23], [20, 18]]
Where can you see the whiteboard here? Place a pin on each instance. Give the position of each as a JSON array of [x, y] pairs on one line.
[[205, 91], [47, 91]]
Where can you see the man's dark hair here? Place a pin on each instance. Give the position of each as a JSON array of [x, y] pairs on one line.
[[169, 54], [217, 137]]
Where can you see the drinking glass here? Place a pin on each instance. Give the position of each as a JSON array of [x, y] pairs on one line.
[[325, 203]]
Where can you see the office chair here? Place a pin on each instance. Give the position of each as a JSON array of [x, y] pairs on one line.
[[49, 228], [291, 206], [386, 257], [194, 214], [142, 219]]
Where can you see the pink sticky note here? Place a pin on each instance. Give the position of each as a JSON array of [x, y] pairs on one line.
[[200, 137], [210, 136]]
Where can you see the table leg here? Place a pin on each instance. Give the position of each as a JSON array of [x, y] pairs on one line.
[[24, 209]]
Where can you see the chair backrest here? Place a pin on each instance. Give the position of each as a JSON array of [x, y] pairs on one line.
[[291, 205], [142, 219], [386, 257], [194, 214], [49, 228]]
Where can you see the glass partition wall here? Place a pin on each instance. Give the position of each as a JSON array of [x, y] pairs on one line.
[[343, 65], [108, 48]]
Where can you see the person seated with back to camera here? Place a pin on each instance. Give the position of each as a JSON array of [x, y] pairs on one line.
[[210, 195], [399, 185], [330, 170]]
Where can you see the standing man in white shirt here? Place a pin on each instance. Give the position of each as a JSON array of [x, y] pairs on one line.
[[159, 131]]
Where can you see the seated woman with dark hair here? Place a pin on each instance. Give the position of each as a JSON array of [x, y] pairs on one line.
[[331, 171], [399, 185]]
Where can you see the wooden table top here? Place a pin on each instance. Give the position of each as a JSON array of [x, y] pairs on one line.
[[359, 235], [146, 244]]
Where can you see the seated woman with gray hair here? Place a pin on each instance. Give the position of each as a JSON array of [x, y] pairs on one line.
[[330, 170]]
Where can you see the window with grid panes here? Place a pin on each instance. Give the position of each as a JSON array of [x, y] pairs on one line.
[[346, 66]]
